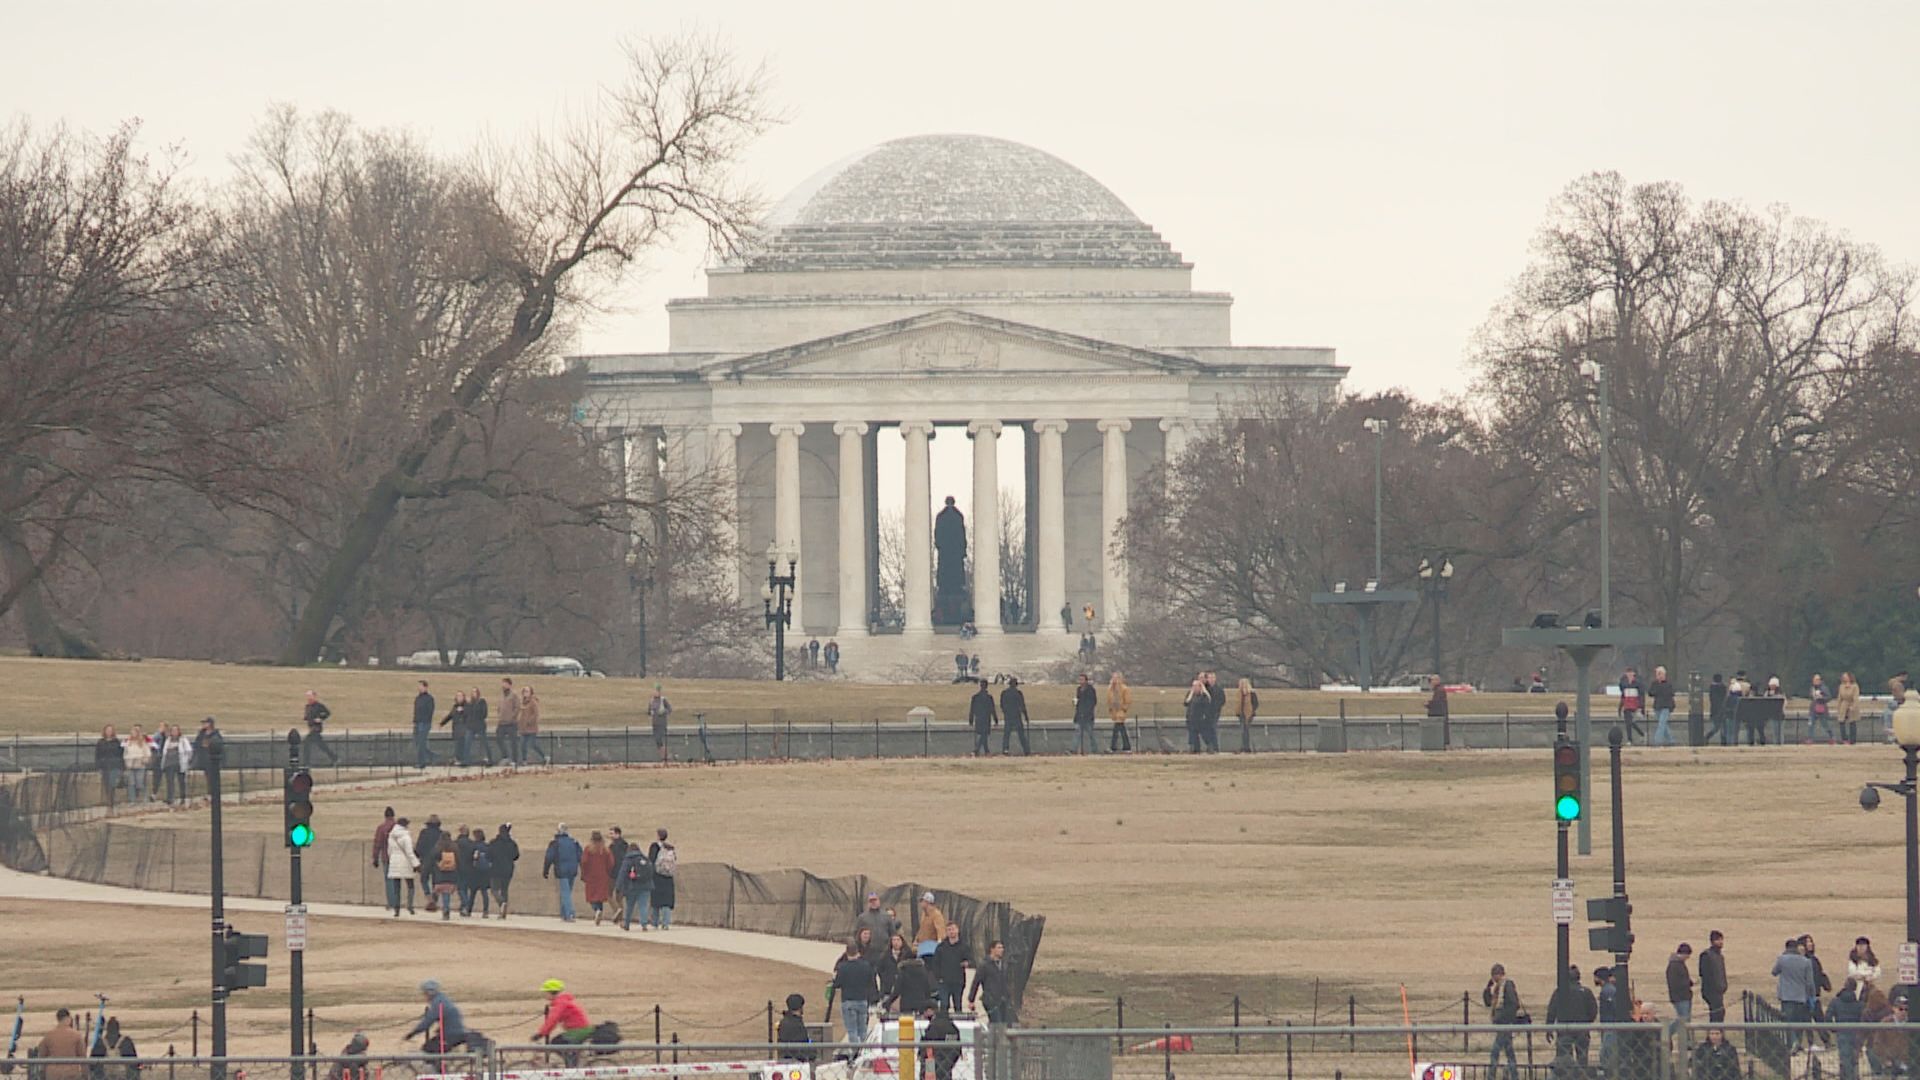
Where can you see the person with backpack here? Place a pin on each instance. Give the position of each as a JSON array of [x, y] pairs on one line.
[[658, 709], [563, 865], [503, 853], [446, 876], [564, 1020], [634, 880], [441, 1022], [476, 877], [666, 865]]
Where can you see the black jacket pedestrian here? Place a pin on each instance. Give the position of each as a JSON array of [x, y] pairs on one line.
[[980, 710], [856, 980], [1013, 706], [504, 853], [463, 850], [1573, 1004], [990, 981], [950, 965], [943, 1031], [316, 715], [477, 715], [887, 969], [1661, 694], [423, 710], [427, 846], [1084, 704], [1216, 702], [1679, 979], [793, 1029], [1711, 1062], [1713, 975], [912, 986]]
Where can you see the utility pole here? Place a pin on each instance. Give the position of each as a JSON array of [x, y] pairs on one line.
[[217, 880], [1598, 372]]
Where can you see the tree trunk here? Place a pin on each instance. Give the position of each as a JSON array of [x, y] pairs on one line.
[[45, 635], [337, 579]]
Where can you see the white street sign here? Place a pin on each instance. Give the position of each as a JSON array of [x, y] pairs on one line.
[[1563, 901], [296, 927], [1909, 963]]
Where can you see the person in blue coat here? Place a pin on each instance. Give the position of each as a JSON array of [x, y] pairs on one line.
[[563, 865]]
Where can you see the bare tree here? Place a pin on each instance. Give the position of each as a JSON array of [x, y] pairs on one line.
[[112, 385], [1016, 604], [415, 294], [890, 600]]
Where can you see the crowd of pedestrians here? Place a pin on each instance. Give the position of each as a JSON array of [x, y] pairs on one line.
[[464, 867], [515, 739], [915, 969], [149, 768]]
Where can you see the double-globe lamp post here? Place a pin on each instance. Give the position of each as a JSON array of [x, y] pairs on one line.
[[1906, 732], [1434, 575], [776, 596]]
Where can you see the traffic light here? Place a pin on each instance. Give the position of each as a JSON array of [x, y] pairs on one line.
[[1617, 935], [237, 948], [299, 804], [1568, 799]]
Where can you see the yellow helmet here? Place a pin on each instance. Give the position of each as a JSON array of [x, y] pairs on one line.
[[553, 986]]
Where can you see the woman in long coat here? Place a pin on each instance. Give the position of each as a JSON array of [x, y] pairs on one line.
[[596, 873]]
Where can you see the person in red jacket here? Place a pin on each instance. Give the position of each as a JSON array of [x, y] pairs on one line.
[[565, 1021]]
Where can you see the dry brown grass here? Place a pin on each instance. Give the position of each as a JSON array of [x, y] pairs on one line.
[[1181, 881], [152, 963], [62, 696]]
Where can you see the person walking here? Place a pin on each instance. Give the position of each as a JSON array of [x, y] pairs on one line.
[[528, 719], [156, 762], [992, 982], [1119, 708], [1821, 984], [1216, 707], [666, 868], [506, 732], [888, 966], [135, 755], [463, 879], [316, 715], [1502, 1000], [858, 986], [1679, 979], [634, 879], [1794, 986], [1848, 1007], [1717, 710], [1632, 700], [1736, 691], [1569, 1010], [596, 874], [503, 852], [446, 875], [476, 881], [427, 845], [617, 844], [931, 927], [1713, 977], [456, 722], [477, 726], [401, 863], [422, 726], [912, 987], [1862, 966], [1660, 698], [658, 709], [1246, 708], [63, 1040], [177, 764], [983, 715], [1013, 714], [562, 864], [833, 657], [1846, 703], [109, 758], [1819, 712], [1085, 705], [950, 964], [1195, 704]]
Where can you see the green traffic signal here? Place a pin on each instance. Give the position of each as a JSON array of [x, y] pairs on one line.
[[302, 835], [1567, 808]]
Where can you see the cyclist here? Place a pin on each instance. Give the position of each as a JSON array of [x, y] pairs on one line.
[[442, 1013], [566, 1022]]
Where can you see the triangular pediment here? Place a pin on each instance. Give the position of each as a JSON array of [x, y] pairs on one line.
[[952, 342]]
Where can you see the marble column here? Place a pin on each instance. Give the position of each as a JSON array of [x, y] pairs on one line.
[[722, 447], [986, 525], [918, 594], [1178, 429], [1050, 546], [786, 504], [1113, 508], [853, 529]]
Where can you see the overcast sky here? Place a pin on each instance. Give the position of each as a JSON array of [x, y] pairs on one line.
[[1359, 175]]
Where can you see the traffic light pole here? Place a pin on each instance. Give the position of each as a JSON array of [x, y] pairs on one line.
[[217, 879], [1563, 932], [1620, 959], [296, 958]]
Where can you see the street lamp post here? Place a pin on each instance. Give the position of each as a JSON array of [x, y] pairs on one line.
[[1597, 371], [1906, 732], [1434, 577], [1379, 428], [776, 597]]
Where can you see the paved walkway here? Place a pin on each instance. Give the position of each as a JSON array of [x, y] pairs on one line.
[[813, 955]]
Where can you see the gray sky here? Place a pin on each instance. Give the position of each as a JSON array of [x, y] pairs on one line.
[[1360, 175]]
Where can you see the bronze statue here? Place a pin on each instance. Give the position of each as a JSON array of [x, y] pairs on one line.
[[950, 600]]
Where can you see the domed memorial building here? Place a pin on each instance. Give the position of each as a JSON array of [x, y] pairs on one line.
[[951, 284]]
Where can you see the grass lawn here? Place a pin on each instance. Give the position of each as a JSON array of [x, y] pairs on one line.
[[66, 696], [1288, 879]]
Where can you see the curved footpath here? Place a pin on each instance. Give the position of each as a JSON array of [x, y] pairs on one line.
[[812, 955]]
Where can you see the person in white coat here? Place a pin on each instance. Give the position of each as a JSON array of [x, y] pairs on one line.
[[177, 763], [402, 865]]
